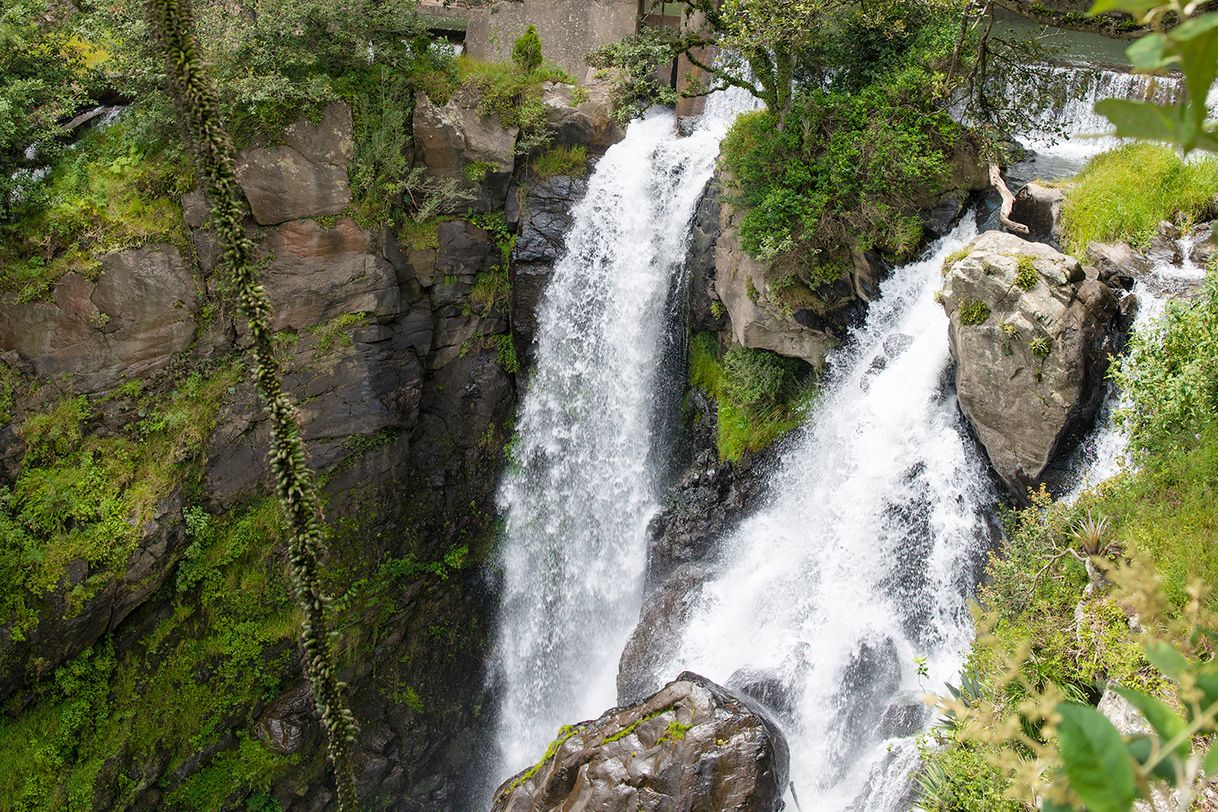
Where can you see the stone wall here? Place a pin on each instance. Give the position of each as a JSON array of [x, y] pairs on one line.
[[569, 29]]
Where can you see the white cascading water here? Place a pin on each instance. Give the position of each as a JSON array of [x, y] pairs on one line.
[[864, 556], [583, 485]]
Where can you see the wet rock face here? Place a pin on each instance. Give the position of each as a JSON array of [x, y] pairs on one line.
[[1031, 335], [693, 745], [306, 175], [127, 323], [545, 219]]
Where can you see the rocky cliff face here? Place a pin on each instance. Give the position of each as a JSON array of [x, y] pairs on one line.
[[402, 358]]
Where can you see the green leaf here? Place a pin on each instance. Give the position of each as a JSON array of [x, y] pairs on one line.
[[1169, 767], [1137, 119], [1150, 52], [1137, 8], [1210, 765], [1052, 806], [1162, 718], [1164, 657], [1096, 762]]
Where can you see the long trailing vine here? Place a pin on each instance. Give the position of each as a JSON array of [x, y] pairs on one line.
[[192, 86]]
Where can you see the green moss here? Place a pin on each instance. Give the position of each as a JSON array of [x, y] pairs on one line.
[[675, 732], [1026, 274], [337, 331], [760, 395], [225, 644], [231, 776], [1124, 194], [419, 236], [115, 190], [86, 497], [565, 732], [974, 313], [561, 161]]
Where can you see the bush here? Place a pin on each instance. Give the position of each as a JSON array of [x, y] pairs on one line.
[[974, 313], [846, 172], [1170, 376], [760, 395], [513, 96], [1124, 194], [526, 51]]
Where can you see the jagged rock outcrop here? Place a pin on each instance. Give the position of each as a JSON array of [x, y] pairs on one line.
[[127, 323], [457, 142], [778, 308], [585, 119], [693, 745], [706, 312], [1031, 334], [306, 175]]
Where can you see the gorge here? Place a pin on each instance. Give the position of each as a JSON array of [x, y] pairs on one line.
[[670, 459]]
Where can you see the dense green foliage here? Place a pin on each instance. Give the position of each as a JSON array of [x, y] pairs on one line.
[[513, 95], [1126, 193], [116, 189], [634, 65], [852, 163], [41, 82], [760, 395]]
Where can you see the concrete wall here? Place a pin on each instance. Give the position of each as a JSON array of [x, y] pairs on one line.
[[569, 29]]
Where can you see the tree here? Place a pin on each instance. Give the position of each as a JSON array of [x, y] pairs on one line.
[[40, 87], [526, 52]]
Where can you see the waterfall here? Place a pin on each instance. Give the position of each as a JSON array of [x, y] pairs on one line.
[[583, 483], [862, 559]]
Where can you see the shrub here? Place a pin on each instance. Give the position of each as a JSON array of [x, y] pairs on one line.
[[974, 312], [1125, 193], [1170, 376], [513, 96], [634, 65], [760, 395], [526, 51]]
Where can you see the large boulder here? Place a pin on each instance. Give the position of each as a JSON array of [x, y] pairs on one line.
[[693, 745], [756, 302], [306, 175], [586, 121], [1031, 335], [128, 322], [456, 142]]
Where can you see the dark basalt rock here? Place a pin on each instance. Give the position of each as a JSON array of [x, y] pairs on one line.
[[693, 745]]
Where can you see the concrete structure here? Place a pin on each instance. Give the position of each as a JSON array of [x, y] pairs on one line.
[[569, 29]]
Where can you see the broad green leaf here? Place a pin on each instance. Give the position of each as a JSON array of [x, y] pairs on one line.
[[1207, 681], [1135, 7], [1136, 119], [1168, 768], [1164, 657], [1096, 762], [1210, 765], [1150, 52], [1162, 718]]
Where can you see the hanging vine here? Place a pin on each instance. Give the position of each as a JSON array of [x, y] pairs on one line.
[[195, 92]]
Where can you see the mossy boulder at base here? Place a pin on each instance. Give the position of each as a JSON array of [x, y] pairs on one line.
[[1031, 333], [691, 745]]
